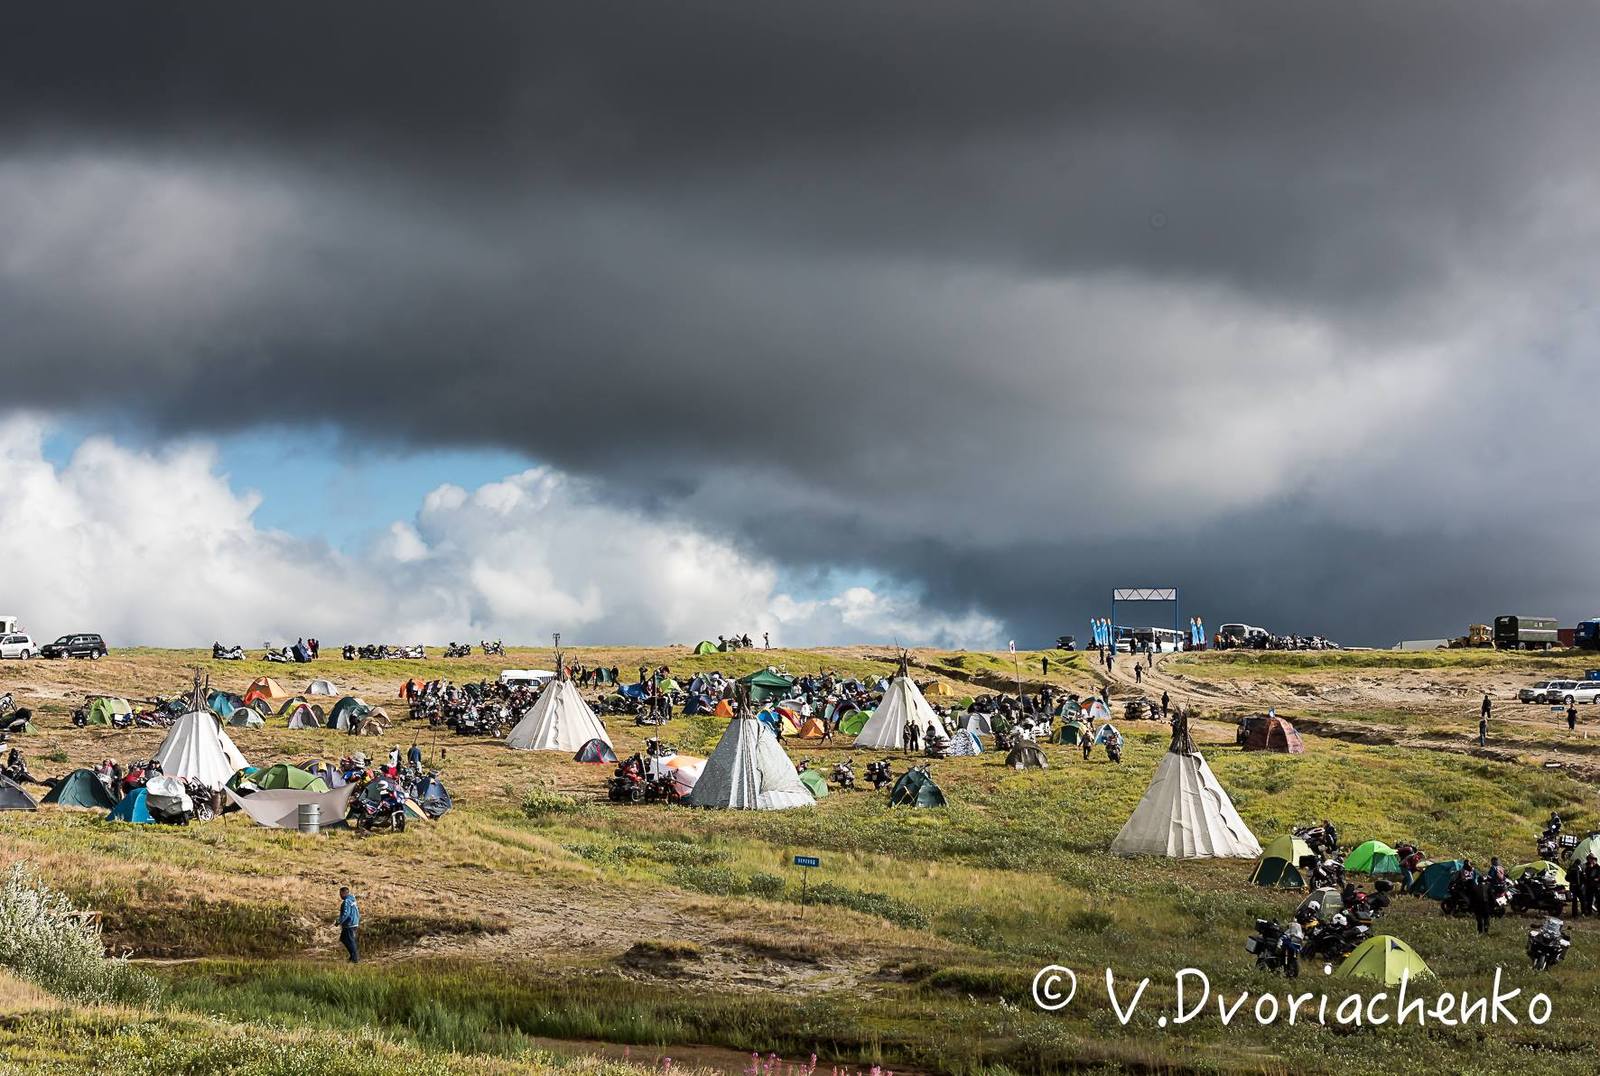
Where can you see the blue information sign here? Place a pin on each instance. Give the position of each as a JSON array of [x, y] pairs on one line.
[[807, 861]]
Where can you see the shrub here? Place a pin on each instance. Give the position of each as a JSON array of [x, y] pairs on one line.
[[539, 802], [42, 939], [879, 904], [765, 885], [719, 881]]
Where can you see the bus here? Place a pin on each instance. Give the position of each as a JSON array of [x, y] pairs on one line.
[[1162, 640]]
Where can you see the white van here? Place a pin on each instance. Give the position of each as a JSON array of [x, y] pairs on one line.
[[525, 677]]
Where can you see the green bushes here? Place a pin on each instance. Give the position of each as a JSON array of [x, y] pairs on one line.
[[539, 802], [43, 940], [879, 904]]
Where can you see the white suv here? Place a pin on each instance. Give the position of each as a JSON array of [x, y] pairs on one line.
[[17, 646], [1582, 691]]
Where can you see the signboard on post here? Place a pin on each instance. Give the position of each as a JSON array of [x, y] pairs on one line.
[[807, 862]]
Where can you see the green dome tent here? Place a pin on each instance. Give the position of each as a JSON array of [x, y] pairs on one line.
[[916, 788], [1432, 878], [706, 647], [1383, 958], [853, 722], [1538, 866], [1373, 857], [284, 775], [347, 713], [13, 797], [1279, 864], [1589, 846], [102, 709], [80, 788], [765, 685], [245, 717], [814, 781]]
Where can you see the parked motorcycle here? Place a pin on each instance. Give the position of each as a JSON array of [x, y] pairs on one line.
[[1335, 939], [879, 774], [458, 650], [495, 649], [1548, 943], [844, 775], [1538, 893], [1273, 952], [226, 653], [384, 816]]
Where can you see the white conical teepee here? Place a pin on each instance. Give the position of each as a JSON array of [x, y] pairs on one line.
[[196, 749], [749, 770], [886, 728], [1185, 814], [559, 720]]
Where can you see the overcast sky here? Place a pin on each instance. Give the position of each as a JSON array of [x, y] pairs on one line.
[[849, 321]]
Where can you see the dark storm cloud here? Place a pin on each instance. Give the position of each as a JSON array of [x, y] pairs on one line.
[[1005, 299]]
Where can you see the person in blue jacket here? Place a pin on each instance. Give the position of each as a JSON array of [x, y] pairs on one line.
[[349, 923]]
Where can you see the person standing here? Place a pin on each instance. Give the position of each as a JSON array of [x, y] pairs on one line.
[[1483, 711], [1166, 700], [1572, 717], [349, 923], [414, 756], [1483, 729], [766, 640], [1138, 673], [1044, 665]]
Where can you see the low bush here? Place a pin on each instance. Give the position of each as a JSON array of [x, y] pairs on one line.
[[44, 940], [539, 802], [881, 905]]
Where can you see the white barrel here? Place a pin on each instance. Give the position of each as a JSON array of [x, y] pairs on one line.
[[310, 818]]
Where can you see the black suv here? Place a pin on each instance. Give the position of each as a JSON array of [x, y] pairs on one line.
[[75, 646]]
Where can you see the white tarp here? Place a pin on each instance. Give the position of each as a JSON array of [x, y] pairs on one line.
[[279, 808], [886, 728], [749, 771], [196, 749], [1185, 814], [559, 720]]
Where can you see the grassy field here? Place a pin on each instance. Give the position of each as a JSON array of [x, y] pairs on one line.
[[501, 941]]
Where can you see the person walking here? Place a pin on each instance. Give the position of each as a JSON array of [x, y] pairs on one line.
[[1044, 665], [766, 640], [1483, 730], [349, 923], [1572, 717], [414, 756], [1483, 711]]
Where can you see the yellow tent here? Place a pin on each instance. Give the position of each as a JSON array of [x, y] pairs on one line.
[[940, 690], [1384, 958]]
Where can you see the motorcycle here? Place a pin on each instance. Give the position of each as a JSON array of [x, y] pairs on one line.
[[1273, 952], [1114, 750], [1318, 840], [879, 774], [844, 775], [1538, 893], [1548, 943], [1336, 939], [495, 649], [383, 816], [627, 784], [226, 653], [458, 650]]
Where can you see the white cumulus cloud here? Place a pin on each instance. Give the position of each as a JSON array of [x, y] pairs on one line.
[[156, 547]]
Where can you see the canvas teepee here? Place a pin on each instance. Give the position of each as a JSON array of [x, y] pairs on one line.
[[748, 770], [1185, 814], [196, 747], [886, 728], [559, 720]]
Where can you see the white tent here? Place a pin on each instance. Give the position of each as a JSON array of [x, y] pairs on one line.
[[748, 770], [559, 720], [1185, 814], [321, 687], [978, 724], [887, 726], [279, 808], [196, 749]]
